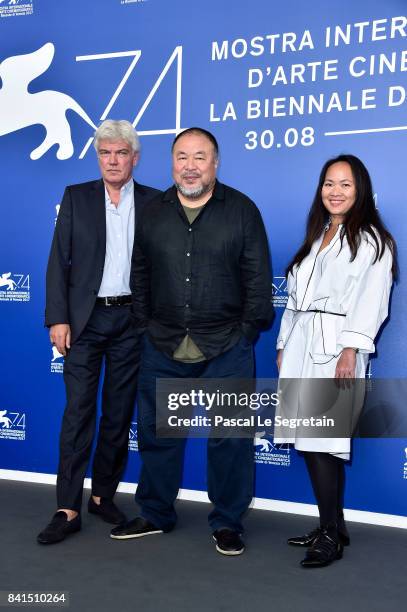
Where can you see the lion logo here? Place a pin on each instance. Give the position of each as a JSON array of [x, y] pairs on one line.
[[55, 354], [5, 421], [19, 108], [259, 440], [6, 281]]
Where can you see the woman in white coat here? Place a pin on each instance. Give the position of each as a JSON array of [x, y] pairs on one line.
[[339, 284]]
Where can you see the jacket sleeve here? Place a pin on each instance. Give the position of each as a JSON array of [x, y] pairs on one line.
[[256, 275], [370, 300], [288, 314], [59, 264], [140, 281]]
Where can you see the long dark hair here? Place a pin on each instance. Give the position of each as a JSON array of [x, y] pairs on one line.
[[363, 216]]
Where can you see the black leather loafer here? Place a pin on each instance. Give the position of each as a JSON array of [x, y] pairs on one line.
[[136, 528], [305, 540], [228, 542], [107, 511], [59, 528], [323, 551], [309, 538]]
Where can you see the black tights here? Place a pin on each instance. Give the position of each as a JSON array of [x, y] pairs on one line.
[[327, 475]]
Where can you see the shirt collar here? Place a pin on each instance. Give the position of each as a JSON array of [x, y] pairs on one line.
[[125, 189], [328, 224]]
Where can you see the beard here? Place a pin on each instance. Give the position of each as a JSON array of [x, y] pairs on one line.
[[194, 193]]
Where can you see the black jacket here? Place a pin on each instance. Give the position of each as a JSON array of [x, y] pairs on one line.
[[211, 280], [77, 257]]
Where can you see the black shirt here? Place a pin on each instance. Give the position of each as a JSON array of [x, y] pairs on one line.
[[211, 280]]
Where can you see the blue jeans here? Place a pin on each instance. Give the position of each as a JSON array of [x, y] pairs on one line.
[[230, 460]]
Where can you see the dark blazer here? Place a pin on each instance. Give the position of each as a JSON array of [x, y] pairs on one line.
[[77, 257]]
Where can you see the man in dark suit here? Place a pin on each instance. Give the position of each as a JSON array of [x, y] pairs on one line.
[[89, 318]]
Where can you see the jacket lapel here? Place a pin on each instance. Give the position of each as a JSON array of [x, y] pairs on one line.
[[139, 194], [99, 211]]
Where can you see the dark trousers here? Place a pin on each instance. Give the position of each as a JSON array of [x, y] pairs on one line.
[[110, 335], [230, 460]]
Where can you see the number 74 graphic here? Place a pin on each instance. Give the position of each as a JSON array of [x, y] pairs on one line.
[[176, 56]]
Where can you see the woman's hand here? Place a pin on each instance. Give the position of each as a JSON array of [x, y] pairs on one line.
[[346, 366], [279, 358]]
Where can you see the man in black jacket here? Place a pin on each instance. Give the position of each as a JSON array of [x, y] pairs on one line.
[[202, 291], [88, 312]]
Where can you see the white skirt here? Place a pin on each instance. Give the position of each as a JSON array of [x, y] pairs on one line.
[[300, 362]]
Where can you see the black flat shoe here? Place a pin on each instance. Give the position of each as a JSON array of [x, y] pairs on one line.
[[137, 528], [59, 528], [107, 510], [228, 542], [309, 538], [323, 551], [305, 540]]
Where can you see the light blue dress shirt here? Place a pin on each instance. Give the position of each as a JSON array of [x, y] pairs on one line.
[[119, 243]]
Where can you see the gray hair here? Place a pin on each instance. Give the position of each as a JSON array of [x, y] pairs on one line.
[[111, 129]]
